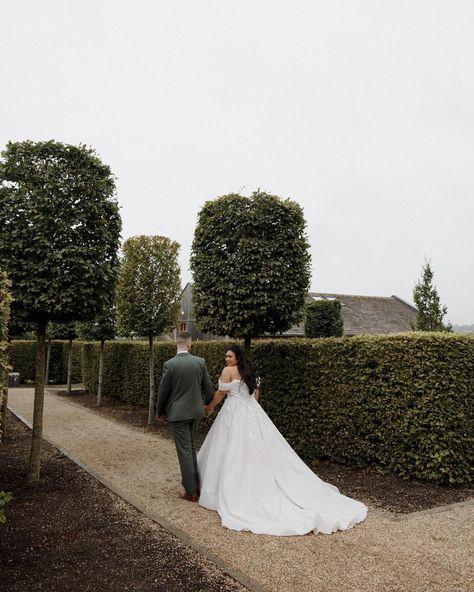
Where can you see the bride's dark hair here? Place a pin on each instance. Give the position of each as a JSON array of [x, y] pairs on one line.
[[245, 369]]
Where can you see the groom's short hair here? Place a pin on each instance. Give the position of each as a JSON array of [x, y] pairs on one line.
[[183, 338]]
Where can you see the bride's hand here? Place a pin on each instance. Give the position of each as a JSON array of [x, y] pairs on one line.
[[208, 409]]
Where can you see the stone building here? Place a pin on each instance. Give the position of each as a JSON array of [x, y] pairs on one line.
[[360, 314]]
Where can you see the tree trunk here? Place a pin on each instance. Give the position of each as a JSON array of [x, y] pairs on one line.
[[69, 369], [48, 356], [247, 341], [101, 372], [37, 432], [151, 403]]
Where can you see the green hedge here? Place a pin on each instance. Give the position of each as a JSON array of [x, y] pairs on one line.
[[126, 366], [23, 360], [76, 361], [403, 403]]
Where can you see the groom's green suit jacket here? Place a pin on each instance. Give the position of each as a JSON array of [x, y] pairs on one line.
[[185, 386]]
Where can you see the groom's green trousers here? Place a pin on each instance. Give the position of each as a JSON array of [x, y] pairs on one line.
[[184, 433]]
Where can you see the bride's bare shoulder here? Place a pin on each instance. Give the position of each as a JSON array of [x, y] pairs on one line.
[[227, 374]]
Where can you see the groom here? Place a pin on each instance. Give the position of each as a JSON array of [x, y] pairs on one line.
[[184, 384]]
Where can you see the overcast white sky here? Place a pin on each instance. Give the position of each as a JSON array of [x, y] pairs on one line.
[[360, 110]]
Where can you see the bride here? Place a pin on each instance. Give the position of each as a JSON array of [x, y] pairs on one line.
[[252, 477]]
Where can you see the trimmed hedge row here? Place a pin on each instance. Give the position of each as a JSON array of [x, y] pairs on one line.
[[404, 403], [23, 360], [76, 361], [126, 366]]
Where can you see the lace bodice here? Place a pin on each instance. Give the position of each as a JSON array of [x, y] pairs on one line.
[[235, 388]]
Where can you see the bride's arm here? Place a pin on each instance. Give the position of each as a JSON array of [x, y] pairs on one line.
[[219, 394]]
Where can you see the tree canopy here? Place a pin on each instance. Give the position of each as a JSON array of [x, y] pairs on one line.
[[102, 328], [430, 312], [149, 286], [66, 331], [250, 265], [59, 230]]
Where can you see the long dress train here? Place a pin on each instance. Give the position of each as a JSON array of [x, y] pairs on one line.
[[252, 477]]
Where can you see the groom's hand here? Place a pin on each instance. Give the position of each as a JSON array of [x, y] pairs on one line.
[[161, 418]]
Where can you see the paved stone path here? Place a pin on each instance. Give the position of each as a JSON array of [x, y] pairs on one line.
[[428, 551]]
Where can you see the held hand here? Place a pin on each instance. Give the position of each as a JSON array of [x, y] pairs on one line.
[[208, 409], [161, 418]]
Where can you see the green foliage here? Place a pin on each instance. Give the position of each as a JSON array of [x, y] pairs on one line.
[[430, 313], [59, 237], [59, 230], [250, 265], [323, 319], [4, 499], [102, 328], [76, 368], [148, 287], [401, 402], [62, 330], [125, 368], [22, 359], [5, 300], [18, 329]]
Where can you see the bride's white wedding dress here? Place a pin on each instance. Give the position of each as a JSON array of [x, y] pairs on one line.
[[253, 478]]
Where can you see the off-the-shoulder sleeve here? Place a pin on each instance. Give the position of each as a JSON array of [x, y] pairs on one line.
[[224, 386]]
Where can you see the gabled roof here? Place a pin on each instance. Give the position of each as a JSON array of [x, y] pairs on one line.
[[360, 314], [368, 314]]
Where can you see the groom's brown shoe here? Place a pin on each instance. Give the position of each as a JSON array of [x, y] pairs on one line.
[[188, 497]]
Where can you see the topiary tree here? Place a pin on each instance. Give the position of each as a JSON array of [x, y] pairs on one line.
[[67, 332], [59, 237], [5, 301], [250, 264], [102, 329], [429, 312], [323, 319], [148, 293]]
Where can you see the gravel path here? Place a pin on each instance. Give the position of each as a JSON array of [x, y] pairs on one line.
[[424, 551]]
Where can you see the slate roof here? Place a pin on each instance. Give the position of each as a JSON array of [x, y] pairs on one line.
[[360, 314], [367, 314]]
